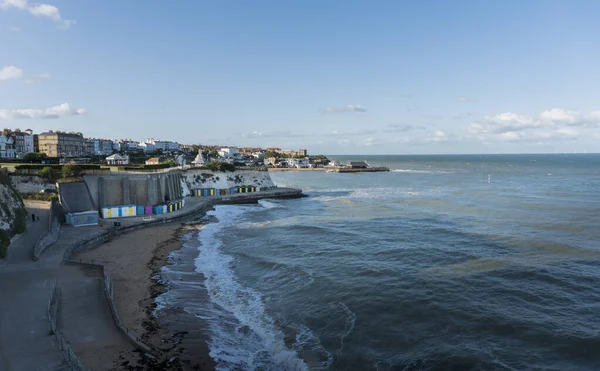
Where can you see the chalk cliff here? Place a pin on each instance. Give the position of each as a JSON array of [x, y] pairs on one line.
[[200, 178], [12, 210]]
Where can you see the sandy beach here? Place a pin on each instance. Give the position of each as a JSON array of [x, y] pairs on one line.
[[132, 260]]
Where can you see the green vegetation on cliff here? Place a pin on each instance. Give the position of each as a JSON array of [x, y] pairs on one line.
[[12, 212], [4, 243]]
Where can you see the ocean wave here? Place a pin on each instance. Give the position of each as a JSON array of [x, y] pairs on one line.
[[421, 171], [255, 342], [349, 326], [269, 204]]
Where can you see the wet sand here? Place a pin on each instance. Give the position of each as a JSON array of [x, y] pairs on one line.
[[132, 260]]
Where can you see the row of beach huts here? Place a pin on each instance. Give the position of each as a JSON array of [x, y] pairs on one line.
[[112, 212]]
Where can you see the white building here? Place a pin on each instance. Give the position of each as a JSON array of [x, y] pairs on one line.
[[298, 162], [147, 147], [228, 152], [103, 147], [131, 145], [7, 146], [258, 155], [22, 141], [164, 145], [172, 146], [118, 159]]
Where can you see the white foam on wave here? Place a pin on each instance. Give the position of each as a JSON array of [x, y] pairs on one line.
[[269, 204], [255, 342], [349, 325]]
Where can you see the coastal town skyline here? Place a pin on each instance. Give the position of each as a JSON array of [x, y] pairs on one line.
[[391, 78]]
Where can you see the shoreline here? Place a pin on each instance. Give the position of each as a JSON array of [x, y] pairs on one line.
[[134, 264], [133, 256]]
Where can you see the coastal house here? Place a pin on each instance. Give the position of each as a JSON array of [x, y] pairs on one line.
[[117, 159], [23, 141], [153, 161], [300, 163], [357, 165], [229, 152], [164, 145], [7, 146], [270, 161], [147, 147], [61, 144]]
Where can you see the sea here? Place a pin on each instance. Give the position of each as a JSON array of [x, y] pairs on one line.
[[447, 262]]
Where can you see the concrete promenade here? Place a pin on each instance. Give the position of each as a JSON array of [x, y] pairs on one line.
[[26, 287]]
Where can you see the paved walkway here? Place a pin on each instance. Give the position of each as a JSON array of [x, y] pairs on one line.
[[21, 250], [25, 289], [85, 319]]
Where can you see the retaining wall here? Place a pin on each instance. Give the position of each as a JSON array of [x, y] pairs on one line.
[[62, 344], [51, 234]]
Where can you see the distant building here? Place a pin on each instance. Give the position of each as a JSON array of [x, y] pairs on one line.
[[60, 144], [164, 145], [299, 162], [199, 160], [7, 146], [147, 147], [270, 161], [36, 143], [229, 152], [357, 165], [102, 147], [89, 144], [117, 159], [118, 145], [153, 161], [186, 148], [22, 142], [131, 146], [300, 152]]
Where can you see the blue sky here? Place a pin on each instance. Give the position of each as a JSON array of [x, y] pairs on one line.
[[335, 77]]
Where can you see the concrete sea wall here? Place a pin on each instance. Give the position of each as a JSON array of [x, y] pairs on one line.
[[157, 188], [134, 189]]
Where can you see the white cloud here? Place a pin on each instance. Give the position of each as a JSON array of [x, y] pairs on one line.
[[467, 100], [360, 132], [21, 4], [503, 122], [437, 137], [348, 108], [49, 113], [10, 72], [274, 134], [38, 10], [369, 142], [15, 73], [35, 78], [551, 124], [561, 116]]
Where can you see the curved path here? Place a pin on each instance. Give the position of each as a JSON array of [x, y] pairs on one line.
[[25, 289]]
